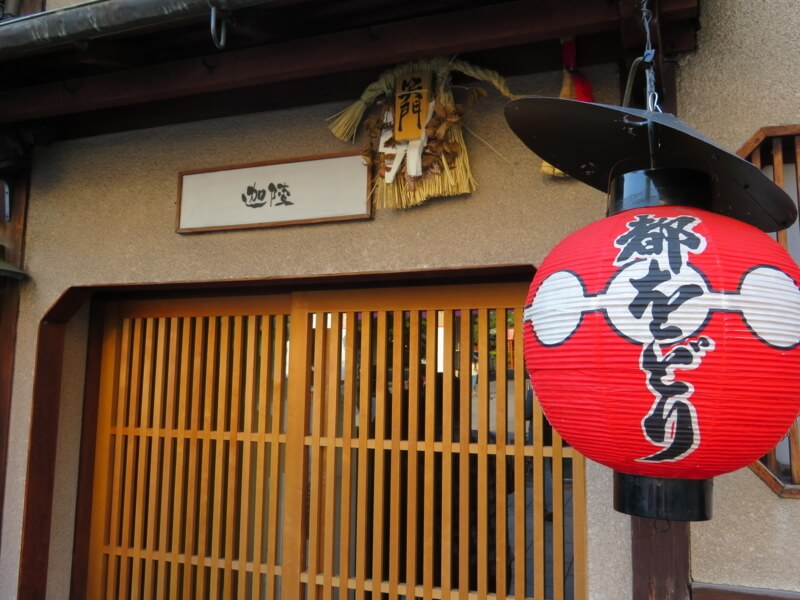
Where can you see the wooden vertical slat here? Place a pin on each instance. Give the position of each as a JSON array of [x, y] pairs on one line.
[[794, 452], [192, 499], [483, 461], [129, 477], [413, 430], [538, 500], [142, 472], [797, 166], [262, 441], [377, 510], [249, 396], [501, 420], [156, 460], [121, 461], [448, 393], [232, 436], [520, 392], [778, 178], [796, 158], [296, 462], [167, 471], [348, 406], [217, 442], [108, 453], [204, 519], [178, 516], [331, 400], [363, 435], [315, 518], [395, 489], [429, 472], [278, 382], [558, 517], [579, 542], [465, 416], [755, 157]]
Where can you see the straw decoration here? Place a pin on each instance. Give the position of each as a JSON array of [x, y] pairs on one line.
[[445, 164]]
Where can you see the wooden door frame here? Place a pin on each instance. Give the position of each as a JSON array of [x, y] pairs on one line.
[[46, 397]]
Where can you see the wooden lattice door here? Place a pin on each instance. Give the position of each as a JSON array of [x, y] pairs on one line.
[[190, 453], [379, 443]]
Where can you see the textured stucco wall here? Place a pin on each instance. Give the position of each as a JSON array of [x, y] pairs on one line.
[[745, 75], [54, 4], [746, 71], [102, 210]]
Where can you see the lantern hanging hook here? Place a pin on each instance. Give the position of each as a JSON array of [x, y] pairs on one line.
[[218, 36]]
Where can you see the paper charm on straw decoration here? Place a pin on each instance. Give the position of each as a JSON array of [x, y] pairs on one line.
[[574, 86], [417, 146]]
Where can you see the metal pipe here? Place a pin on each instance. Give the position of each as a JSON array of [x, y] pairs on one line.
[[97, 18]]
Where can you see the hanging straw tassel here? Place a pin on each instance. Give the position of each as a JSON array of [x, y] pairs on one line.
[[344, 124], [574, 86]]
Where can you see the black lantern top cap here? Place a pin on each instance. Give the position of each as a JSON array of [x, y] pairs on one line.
[[595, 143]]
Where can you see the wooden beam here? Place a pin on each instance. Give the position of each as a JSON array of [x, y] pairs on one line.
[[660, 559], [102, 53], [469, 30], [630, 25], [708, 591], [83, 511], [29, 7], [39, 483], [12, 237]]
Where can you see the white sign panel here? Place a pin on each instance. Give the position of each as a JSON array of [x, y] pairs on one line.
[[301, 190]]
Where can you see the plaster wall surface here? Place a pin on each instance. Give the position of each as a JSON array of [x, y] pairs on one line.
[[54, 4], [102, 210], [744, 76]]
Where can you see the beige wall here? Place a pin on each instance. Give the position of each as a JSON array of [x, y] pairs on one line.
[[54, 4], [102, 211], [745, 75]]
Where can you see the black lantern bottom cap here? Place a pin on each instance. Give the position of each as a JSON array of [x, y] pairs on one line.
[[663, 498]]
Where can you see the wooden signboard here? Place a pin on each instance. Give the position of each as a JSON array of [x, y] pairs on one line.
[[270, 194]]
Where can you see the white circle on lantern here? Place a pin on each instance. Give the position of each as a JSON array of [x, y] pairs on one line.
[[684, 317], [769, 301], [557, 308]]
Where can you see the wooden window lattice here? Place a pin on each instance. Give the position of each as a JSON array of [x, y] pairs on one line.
[[776, 150]]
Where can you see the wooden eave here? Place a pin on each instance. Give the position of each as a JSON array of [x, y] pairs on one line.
[[104, 85]]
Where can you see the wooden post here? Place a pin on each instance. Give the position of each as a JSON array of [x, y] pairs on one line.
[[660, 559], [12, 237]]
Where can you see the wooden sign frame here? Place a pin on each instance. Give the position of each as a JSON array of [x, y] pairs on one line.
[[278, 193]]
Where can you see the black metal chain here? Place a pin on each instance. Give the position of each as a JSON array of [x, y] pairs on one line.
[[646, 59]]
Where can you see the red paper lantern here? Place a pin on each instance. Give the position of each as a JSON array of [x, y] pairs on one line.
[[663, 342]]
